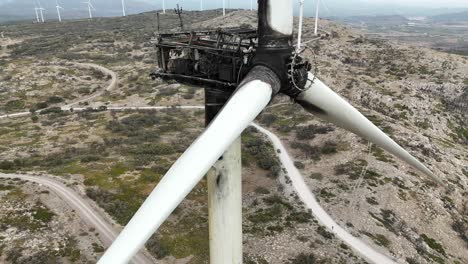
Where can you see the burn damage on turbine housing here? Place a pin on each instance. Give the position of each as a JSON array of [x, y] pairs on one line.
[[222, 58]]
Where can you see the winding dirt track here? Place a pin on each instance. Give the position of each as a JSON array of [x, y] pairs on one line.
[[109, 233], [82, 206]]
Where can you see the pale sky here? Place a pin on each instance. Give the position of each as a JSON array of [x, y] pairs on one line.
[[425, 3]]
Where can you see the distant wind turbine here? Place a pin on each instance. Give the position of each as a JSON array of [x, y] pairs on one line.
[[90, 6], [123, 7], [37, 14], [224, 7], [164, 6], [301, 18], [251, 5], [58, 11], [316, 18], [201, 5], [42, 14], [41, 9]]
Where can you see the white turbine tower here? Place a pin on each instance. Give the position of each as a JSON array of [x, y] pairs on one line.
[[224, 7], [301, 18], [58, 11], [263, 82], [42, 14], [37, 14], [251, 5], [123, 8], [90, 6], [164, 6], [201, 5], [316, 18], [41, 10]]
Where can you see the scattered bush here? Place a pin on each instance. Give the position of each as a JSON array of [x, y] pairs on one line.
[[461, 227], [54, 99], [14, 105], [432, 243], [329, 147], [299, 165], [307, 259], [323, 232], [309, 132], [309, 151], [268, 119], [52, 110], [262, 190], [316, 176]]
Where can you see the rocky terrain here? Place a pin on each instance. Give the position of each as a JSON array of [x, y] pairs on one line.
[[38, 227], [417, 96]]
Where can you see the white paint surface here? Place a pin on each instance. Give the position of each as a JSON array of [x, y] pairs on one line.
[[243, 107], [280, 16], [225, 207], [341, 113]]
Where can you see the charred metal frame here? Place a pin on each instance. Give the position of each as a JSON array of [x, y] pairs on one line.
[[220, 59], [214, 58]]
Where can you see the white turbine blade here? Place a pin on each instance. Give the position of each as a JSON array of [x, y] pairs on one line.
[[323, 102], [246, 103], [280, 16], [91, 5]]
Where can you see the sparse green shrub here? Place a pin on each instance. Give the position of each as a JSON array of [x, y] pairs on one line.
[[316, 176], [268, 119], [329, 147], [156, 247], [432, 243], [262, 190], [14, 105], [306, 259], [55, 99], [309, 132], [372, 200], [323, 232], [352, 168], [52, 110], [310, 152], [6, 165], [97, 248], [461, 227], [299, 165], [43, 214], [90, 158], [39, 106], [261, 151]]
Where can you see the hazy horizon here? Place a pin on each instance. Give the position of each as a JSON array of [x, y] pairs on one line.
[[20, 9]]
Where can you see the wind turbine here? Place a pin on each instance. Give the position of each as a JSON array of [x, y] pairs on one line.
[[251, 5], [201, 5], [37, 14], [164, 6], [123, 8], [42, 14], [40, 9], [316, 17], [58, 11], [270, 74], [301, 18], [224, 7], [90, 6]]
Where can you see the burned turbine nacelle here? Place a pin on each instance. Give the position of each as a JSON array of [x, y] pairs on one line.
[[222, 58], [213, 58]]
